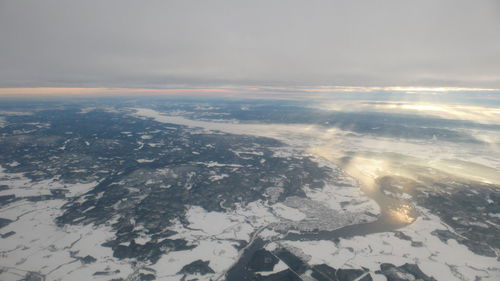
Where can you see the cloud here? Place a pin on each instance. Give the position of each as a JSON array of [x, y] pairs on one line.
[[213, 43]]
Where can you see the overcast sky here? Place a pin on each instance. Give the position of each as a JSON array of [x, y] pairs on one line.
[[274, 43]]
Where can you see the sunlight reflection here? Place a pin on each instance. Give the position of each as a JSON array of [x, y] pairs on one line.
[[402, 214], [474, 113]]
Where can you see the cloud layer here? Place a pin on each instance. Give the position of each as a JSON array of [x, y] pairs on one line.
[[215, 43]]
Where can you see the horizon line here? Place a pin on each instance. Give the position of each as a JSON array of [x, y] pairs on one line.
[[227, 90]]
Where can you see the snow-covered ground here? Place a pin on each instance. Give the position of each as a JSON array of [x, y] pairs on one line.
[[330, 142], [39, 245], [442, 260], [20, 186], [288, 212], [299, 139], [215, 235]]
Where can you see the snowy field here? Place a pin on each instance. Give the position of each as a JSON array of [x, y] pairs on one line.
[[39, 245]]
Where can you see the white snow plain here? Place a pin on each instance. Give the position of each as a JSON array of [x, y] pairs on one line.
[[39, 245]]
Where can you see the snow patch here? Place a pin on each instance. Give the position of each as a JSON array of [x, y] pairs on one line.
[[288, 212]]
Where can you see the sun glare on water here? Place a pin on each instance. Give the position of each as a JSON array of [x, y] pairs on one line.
[[402, 214]]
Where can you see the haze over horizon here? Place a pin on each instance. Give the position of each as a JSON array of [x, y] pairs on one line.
[[130, 44]]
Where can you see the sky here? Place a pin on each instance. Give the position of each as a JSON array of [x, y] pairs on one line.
[[165, 44]]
